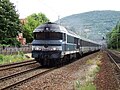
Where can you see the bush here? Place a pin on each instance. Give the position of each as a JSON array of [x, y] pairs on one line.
[[10, 42], [1, 58]]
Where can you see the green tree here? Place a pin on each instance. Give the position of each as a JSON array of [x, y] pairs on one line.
[[9, 23], [32, 22], [114, 37]]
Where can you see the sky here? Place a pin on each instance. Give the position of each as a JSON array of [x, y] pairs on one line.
[[61, 8]]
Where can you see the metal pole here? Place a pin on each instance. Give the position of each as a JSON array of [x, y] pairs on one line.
[[117, 42]]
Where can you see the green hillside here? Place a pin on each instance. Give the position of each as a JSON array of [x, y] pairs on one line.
[[93, 25]]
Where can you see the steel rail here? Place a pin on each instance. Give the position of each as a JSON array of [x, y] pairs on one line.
[[4, 65], [17, 74], [17, 65], [114, 61], [112, 58], [12, 86]]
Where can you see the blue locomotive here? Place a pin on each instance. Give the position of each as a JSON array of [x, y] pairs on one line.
[[54, 44]]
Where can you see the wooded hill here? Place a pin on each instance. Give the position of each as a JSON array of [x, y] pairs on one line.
[[93, 25]]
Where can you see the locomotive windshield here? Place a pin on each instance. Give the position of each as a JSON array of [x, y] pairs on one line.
[[48, 36]]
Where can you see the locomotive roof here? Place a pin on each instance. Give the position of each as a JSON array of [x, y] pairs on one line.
[[50, 27], [54, 27]]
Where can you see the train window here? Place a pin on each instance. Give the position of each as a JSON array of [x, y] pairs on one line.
[[34, 35], [76, 40], [64, 37], [70, 39], [85, 43], [80, 42], [48, 36]]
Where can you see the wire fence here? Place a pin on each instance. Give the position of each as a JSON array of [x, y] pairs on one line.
[[15, 50]]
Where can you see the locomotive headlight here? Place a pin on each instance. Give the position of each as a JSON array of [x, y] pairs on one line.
[[54, 48], [33, 47], [36, 48]]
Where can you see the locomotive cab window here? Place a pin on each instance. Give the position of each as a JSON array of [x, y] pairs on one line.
[[64, 37], [48, 36]]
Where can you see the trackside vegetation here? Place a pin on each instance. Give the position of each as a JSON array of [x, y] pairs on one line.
[[9, 23], [31, 23], [113, 38], [86, 82], [11, 26], [6, 59]]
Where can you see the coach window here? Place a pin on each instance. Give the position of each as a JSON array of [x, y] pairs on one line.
[[86, 43], [80, 42], [70, 39], [75, 40], [64, 37]]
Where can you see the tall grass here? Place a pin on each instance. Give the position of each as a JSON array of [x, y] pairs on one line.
[[87, 86], [5, 59], [87, 81]]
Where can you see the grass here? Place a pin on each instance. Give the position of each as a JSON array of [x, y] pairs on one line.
[[95, 61], [118, 49], [91, 73], [87, 86], [6, 59], [94, 71]]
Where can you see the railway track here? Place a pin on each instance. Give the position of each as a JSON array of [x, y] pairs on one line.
[[15, 65], [14, 80], [115, 59]]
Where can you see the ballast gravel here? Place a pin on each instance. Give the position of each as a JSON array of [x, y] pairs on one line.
[[64, 78]]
